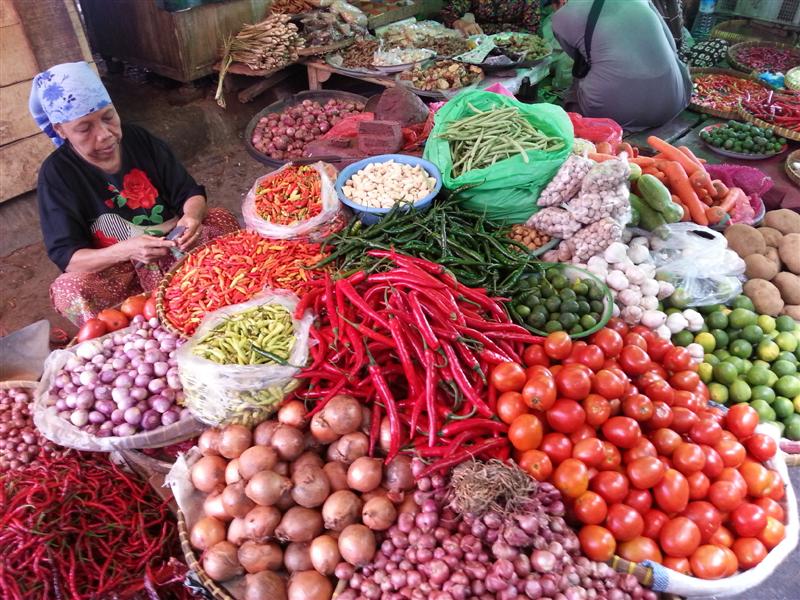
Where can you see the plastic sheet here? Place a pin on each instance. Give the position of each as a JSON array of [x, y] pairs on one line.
[[596, 130]]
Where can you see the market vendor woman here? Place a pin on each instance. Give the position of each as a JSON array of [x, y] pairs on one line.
[[108, 195], [472, 17]]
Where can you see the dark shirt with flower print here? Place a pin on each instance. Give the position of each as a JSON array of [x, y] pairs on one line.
[[76, 198], [495, 16]]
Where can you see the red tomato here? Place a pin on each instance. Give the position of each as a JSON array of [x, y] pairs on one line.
[[741, 420], [634, 339], [612, 486], [525, 432], [725, 495], [665, 440], [581, 433], [634, 360], [705, 431], [688, 400], [773, 533], [660, 391], [558, 345], [611, 457], [150, 311], [535, 355], [639, 549], [91, 329], [590, 451], [683, 419], [772, 508], [508, 377], [662, 416], [732, 563], [685, 380], [624, 522], [648, 378], [133, 306], [574, 382], [557, 446], [565, 415], [757, 478], [749, 552], [609, 341], [645, 472], [654, 520], [537, 464], [709, 562], [681, 565], [688, 458], [592, 356], [597, 542], [113, 318], [748, 519], [761, 446], [714, 464], [597, 409], [571, 478], [590, 508], [539, 392], [509, 406], [679, 537], [731, 452], [623, 432], [643, 447], [705, 516], [608, 384], [722, 537], [617, 325], [658, 348], [672, 492], [638, 407], [577, 348], [776, 488], [641, 500], [698, 485], [677, 359]]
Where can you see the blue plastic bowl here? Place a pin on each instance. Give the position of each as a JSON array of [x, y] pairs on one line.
[[370, 216]]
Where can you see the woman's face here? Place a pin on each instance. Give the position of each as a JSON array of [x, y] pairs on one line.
[[96, 137]]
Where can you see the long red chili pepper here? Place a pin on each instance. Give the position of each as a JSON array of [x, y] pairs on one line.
[[291, 195]]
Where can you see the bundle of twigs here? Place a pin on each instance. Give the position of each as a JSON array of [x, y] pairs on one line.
[[271, 44]]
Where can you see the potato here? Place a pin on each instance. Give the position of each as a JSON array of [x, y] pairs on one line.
[[784, 220], [765, 297], [760, 267], [745, 240], [771, 236], [789, 285], [789, 251], [772, 254], [793, 310]]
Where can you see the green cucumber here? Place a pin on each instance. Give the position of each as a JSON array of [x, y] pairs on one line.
[[656, 195], [649, 219], [636, 172]]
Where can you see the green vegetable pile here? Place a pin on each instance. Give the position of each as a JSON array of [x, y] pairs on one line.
[[743, 138], [532, 47]]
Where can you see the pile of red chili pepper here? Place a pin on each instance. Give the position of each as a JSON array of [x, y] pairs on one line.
[[723, 92], [777, 108], [79, 527], [233, 269], [767, 58], [293, 194], [416, 346]]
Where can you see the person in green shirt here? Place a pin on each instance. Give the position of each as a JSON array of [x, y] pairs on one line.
[[472, 17]]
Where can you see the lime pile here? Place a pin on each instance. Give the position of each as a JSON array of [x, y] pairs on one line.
[[751, 358], [743, 138]]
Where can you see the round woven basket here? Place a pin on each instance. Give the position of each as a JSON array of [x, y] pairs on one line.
[[781, 131], [722, 114], [791, 173], [734, 50], [214, 590]]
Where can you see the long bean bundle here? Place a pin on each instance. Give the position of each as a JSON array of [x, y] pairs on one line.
[[489, 136]]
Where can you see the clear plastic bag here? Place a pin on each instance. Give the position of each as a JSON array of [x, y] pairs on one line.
[[349, 13], [697, 261], [314, 228], [246, 394]]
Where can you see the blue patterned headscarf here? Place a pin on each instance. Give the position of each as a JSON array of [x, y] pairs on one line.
[[64, 93]]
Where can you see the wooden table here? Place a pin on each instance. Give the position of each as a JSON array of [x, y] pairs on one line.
[[269, 78]]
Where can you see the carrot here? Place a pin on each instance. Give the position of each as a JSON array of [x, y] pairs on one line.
[[670, 152], [715, 214], [627, 148], [601, 156], [657, 173], [690, 154], [604, 148], [680, 185], [722, 189], [642, 161]]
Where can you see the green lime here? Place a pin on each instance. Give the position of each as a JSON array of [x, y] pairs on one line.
[[763, 392], [536, 320], [568, 320], [757, 376], [707, 341], [796, 403], [739, 391], [741, 348], [588, 321], [710, 359], [718, 392], [786, 341], [580, 288], [743, 301], [733, 334], [683, 338], [552, 304], [722, 354], [783, 407], [567, 294], [773, 379], [717, 320], [742, 317], [583, 307], [785, 323], [767, 350], [559, 282], [680, 298], [741, 366], [792, 358], [762, 363], [753, 334], [788, 385], [783, 367], [764, 410], [747, 366], [575, 330], [721, 338], [725, 372], [522, 310], [552, 326], [766, 323], [569, 306], [710, 309], [706, 372], [792, 430]]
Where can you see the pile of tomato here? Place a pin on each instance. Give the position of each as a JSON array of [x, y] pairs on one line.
[[649, 471], [112, 319]]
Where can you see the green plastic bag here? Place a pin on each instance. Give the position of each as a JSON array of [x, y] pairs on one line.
[[506, 191]]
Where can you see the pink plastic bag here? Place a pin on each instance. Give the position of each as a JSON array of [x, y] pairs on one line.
[[596, 130], [499, 88], [753, 182], [348, 127]]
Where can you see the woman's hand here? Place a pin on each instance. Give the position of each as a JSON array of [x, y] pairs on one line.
[[144, 248], [190, 235]]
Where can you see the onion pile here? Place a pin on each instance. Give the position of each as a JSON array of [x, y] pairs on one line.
[[295, 498], [20, 441], [283, 136], [438, 554], [123, 384]]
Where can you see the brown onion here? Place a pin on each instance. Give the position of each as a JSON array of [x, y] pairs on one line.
[[364, 474], [324, 552], [310, 442], [299, 525], [321, 430], [293, 413], [235, 501], [255, 557], [213, 507], [341, 509], [309, 458], [233, 440], [311, 487], [309, 585], [207, 532], [208, 442], [343, 414], [221, 562], [208, 473], [397, 475], [408, 505], [288, 441], [255, 459], [349, 447], [232, 474], [379, 514], [297, 557], [282, 468], [357, 544], [265, 584], [378, 492], [285, 502], [366, 420], [265, 487], [337, 475], [260, 523], [237, 531], [262, 435]]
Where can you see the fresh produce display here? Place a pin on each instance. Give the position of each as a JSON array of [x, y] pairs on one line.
[[486, 137], [772, 256], [321, 28], [723, 92], [781, 109], [742, 138], [285, 135], [620, 426], [531, 47], [21, 443], [290, 196], [78, 526], [766, 58], [393, 57], [442, 75], [444, 46], [359, 54], [528, 236], [384, 184], [566, 183], [231, 270]]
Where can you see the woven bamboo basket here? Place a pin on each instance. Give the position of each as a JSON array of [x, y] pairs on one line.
[[781, 131], [791, 173], [216, 591], [721, 113], [736, 48]]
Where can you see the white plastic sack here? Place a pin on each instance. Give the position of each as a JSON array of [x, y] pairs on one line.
[[667, 580], [64, 433], [246, 394], [313, 227]]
